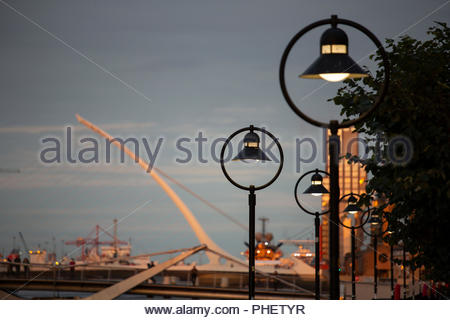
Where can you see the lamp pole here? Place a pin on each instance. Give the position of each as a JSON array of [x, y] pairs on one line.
[[325, 67], [375, 270], [251, 239], [251, 151], [404, 272], [334, 210], [353, 249], [316, 188], [374, 234], [392, 271], [352, 208], [317, 256]]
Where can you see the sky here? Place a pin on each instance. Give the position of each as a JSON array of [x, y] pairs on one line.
[[166, 71]]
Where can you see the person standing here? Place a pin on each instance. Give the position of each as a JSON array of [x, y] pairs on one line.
[[72, 269], [194, 274], [151, 265], [17, 264], [10, 267], [26, 267]]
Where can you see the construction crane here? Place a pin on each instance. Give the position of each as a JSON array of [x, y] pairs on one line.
[[95, 242], [24, 243]]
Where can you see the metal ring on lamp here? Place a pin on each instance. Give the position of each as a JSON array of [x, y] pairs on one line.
[[361, 224], [316, 24], [280, 167], [296, 197]]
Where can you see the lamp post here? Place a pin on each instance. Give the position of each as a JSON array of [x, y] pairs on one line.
[[316, 189], [251, 151], [352, 208], [375, 223], [391, 264], [404, 272], [334, 64]]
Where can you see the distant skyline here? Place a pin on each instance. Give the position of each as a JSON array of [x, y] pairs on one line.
[[160, 69]]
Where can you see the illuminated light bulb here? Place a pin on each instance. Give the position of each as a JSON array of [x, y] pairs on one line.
[[334, 77], [316, 194], [251, 161], [353, 212]]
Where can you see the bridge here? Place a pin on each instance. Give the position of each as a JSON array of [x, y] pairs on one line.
[[231, 281], [150, 290]]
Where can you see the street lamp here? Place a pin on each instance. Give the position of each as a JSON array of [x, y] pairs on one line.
[[352, 209], [251, 151], [334, 64], [316, 189]]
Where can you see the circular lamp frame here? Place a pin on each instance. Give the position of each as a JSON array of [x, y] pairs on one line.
[[334, 21], [222, 163], [379, 232], [296, 192]]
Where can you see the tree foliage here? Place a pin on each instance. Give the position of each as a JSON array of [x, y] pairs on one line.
[[415, 109]]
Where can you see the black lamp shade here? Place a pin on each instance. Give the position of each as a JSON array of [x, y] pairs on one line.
[[251, 149], [334, 63], [251, 154], [316, 188], [352, 207]]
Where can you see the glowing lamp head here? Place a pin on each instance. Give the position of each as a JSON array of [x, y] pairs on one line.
[[316, 188], [251, 150], [374, 219], [334, 64], [334, 77], [352, 208]]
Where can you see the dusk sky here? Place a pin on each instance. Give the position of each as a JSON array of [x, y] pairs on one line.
[[170, 70]]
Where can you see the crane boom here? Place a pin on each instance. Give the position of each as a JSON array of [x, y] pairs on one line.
[[23, 241]]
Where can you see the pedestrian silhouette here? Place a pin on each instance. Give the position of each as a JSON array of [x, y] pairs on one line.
[[26, 267], [194, 274]]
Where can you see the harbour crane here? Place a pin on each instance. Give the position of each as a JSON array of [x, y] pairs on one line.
[[25, 246]]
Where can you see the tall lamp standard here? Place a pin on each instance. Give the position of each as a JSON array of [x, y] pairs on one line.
[[334, 64], [391, 264], [252, 152], [376, 232], [352, 208], [316, 189]]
